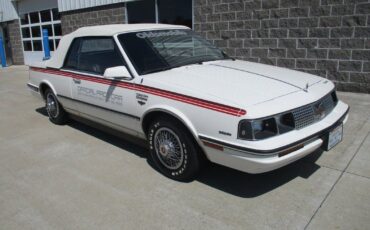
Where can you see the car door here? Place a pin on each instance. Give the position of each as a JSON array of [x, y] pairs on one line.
[[108, 101]]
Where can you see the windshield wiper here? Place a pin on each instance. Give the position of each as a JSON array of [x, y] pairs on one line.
[[227, 57], [157, 70]]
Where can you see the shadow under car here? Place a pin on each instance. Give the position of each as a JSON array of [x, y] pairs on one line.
[[217, 176]]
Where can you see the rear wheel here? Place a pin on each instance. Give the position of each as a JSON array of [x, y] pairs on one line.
[[55, 111], [173, 150]]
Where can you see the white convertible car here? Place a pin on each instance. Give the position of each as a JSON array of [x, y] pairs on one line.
[[189, 99]]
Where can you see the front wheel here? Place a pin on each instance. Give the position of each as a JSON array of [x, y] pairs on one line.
[[173, 149], [55, 111]]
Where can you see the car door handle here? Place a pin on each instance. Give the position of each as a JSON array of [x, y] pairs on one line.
[[76, 81]]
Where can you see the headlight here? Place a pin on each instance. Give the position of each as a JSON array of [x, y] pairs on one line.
[[334, 97], [298, 118], [265, 128]]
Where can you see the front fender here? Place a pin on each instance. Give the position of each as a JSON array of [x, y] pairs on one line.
[[176, 113]]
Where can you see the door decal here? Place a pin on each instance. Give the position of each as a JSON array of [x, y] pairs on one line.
[[100, 95]]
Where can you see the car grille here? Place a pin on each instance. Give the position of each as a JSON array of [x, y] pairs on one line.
[[309, 114]]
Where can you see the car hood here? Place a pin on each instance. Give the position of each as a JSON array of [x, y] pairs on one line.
[[238, 83]]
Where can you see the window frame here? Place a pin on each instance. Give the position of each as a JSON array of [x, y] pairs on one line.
[[117, 48], [40, 24]]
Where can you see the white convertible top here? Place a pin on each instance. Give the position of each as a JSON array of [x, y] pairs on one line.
[[105, 30], [110, 30]]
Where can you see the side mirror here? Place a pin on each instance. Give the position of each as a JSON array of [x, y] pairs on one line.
[[117, 72]]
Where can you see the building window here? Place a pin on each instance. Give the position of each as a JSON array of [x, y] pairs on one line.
[[57, 30], [45, 16], [32, 25], [177, 12], [36, 32], [34, 17], [141, 12], [24, 19], [56, 14], [49, 28], [26, 32], [27, 46], [37, 45]]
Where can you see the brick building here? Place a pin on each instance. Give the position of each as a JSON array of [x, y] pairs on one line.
[[330, 38]]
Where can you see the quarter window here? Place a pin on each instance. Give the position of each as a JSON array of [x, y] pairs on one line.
[[93, 55], [72, 58]]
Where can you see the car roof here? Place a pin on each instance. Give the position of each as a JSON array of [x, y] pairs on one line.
[[110, 30], [106, 30]]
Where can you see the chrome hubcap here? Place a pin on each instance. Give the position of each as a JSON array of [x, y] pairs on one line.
[[52, 106], [168, 148]]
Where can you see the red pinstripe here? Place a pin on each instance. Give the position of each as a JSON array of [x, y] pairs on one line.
[[150, 90]]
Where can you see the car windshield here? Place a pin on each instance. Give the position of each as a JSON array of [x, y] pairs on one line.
[[153, 51]]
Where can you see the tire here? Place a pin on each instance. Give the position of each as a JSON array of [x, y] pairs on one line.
[[55, 110], [173, 149]]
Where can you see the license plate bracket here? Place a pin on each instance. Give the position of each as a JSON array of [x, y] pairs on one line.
[[333, 137]]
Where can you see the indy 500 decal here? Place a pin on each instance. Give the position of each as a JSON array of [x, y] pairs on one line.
[[100, 95]]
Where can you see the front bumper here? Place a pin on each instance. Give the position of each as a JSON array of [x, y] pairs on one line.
[[252, 160]]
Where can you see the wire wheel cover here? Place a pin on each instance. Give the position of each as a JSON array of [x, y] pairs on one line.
[[52, 105], [168, 148]]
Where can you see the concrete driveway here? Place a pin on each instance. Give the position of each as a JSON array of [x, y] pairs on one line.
[[78, 177]]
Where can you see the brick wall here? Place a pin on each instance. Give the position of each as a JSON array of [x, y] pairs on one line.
[[102, 15], [15, 42], [330, 38]]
